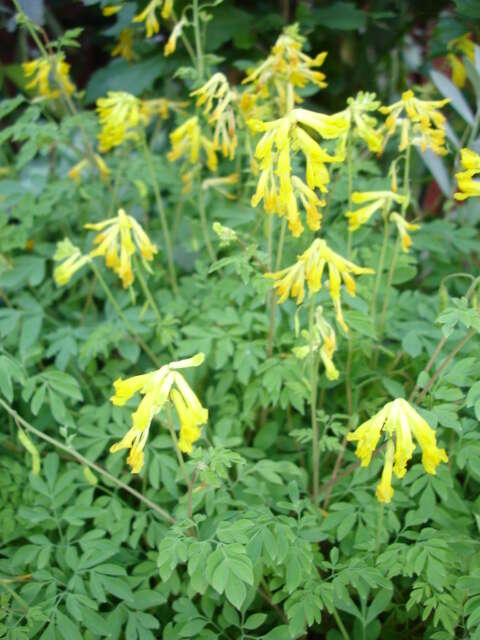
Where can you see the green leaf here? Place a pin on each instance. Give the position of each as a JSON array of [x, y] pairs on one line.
[[254, 621], [235, 591]]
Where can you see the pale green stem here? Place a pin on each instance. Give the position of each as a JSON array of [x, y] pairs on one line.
[[313, 402], [381, 263], [281, 241], [175, 445], [204, 223], [79, 458], [340, 624], [122, 316], [146, 290], [162, 214], [198, 40], [380, 526]]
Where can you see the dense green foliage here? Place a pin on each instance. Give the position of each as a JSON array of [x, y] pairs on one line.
[[243, 545]]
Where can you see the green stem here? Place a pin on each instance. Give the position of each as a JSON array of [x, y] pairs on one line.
[[198, 41], [204, 223], [380, 526], [146, 290], [313, 402], [79, 458], [122, 316], [15, 596], [281, 241], [340, 624], [162, 214], [381, 263], [175, 445]]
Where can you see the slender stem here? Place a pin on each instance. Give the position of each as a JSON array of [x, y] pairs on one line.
[[380, 526], [175, 445], [162, 214], [146, 290], [445, 364], [281, 241], [340, 624], [198, 41], [381, 263], [123, 317], [79, 458], [203, 220], [313, 402], [15, 596]]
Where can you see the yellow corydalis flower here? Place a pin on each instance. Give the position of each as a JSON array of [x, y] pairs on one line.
[[158, 388], [148, 15], [171, 43], [112, 9], [124, 46], [76, 171], [48, 75], [217, 90], [462, 45], [376, 200], [187, 140], [403, 228], [401, 423], [119, 114], [71, 259], [310, 266], [323, 340], [364, 125], [423, 126], [277, 188], [288, 65], [116, 243], [467, 186]]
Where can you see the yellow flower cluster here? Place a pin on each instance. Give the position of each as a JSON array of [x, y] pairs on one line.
[[399, 421], [77, 169], [423, 126], [467, 186], [117, 245], [323, 340], [119, 114], [362, 124], [187, 140], [124, 46], [71, 259], [310, 266], [148, 15], [464, 46], [286, 65], [48, 75], [377, 200], [158, 388], [276, 186], [217, 90], [403, 228]]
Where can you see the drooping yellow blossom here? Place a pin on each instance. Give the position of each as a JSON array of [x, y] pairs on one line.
[[467, 186], [219, 183], [71, 259], [119, 113], [148, 15], [310, 266], [288, 65], [187, 140], [49, 76], [112, 9], [399, 421], [423, 126], [277, 188], [462, 45], [124, 46], [403, 228], [77, 169], [217, 90], [323, 340], [32, 450], [115, 242], [158, 388], [364, 125], [171, 43], [377, 200]]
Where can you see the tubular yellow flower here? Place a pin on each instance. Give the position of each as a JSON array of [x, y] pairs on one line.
[[323, 340], [310, 266], [77, 169], [71, 259], [116, 244], [377, 199], [462, 45], [119, 115], [467, 186], [403, 228], [287, 64], [276, 186], [399, 421], [187, 140], [361, 122], [148, 15], [124, 46], [48, 76], [427, 122], [157, 388], [171, 43], [112, 9]]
